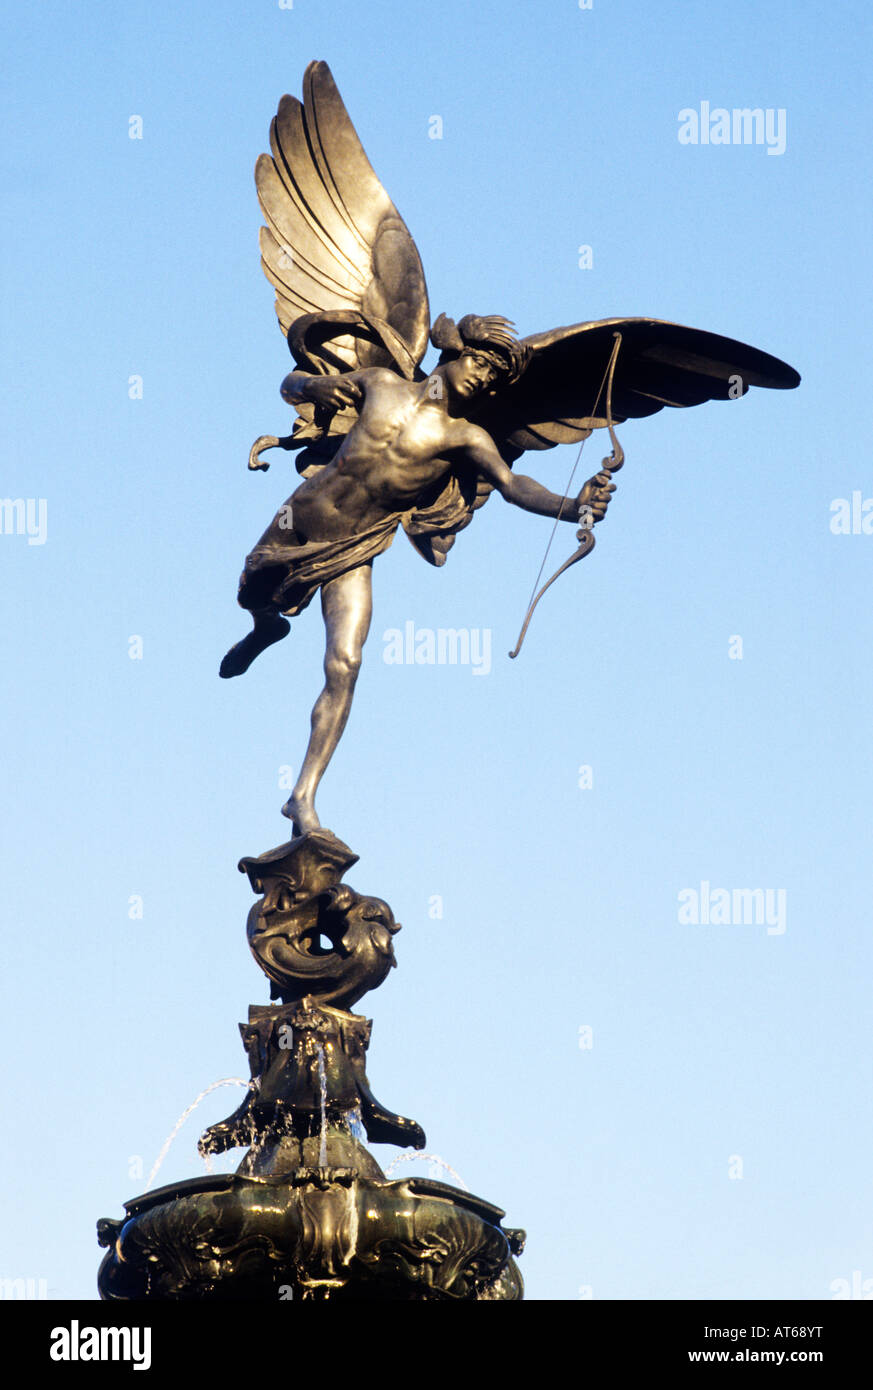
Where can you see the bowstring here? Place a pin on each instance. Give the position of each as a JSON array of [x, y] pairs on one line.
[[536, 582]]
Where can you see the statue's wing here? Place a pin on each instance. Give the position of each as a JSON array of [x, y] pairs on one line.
[[350, 289], [659, 364], [554, 400]]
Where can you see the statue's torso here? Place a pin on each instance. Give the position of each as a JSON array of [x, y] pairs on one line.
[[394, 452]]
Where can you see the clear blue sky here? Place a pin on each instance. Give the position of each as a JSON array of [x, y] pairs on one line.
[[151, 777]]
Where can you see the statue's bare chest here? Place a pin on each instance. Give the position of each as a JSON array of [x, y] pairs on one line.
[[397, 430]]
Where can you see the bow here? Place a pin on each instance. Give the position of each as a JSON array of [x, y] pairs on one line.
[[584, 535]]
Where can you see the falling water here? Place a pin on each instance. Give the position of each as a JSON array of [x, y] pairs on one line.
[[225, 1081], [355, 1125], [410, 1155], [322, 1087], [255, 1152]]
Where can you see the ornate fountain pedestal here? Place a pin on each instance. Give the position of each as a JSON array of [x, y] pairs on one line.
[[316, 1234], [309, 1212]]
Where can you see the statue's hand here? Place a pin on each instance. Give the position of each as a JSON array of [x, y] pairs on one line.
[[332, 392], [594, 498]]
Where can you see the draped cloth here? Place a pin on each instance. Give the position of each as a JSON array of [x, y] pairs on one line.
[[284, 571]]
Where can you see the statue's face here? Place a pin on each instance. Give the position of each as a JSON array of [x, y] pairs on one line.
[[469, 374]]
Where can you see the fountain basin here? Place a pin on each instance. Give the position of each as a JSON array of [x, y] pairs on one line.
[[317, 1233]]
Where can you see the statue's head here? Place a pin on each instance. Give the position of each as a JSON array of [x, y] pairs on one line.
[[470, 372], [478, 354]]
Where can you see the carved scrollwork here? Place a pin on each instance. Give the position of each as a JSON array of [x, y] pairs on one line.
[[311, 934]]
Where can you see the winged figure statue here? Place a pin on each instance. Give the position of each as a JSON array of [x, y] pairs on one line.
[[381, 443]]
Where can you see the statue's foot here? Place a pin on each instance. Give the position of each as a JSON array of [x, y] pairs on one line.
[[302, 813], [241, 656]]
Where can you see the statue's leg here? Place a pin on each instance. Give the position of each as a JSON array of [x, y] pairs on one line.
[[256, 588], [269, 627], [347, 605]]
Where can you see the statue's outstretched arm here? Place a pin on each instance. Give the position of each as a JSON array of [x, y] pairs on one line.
[[516, 488]]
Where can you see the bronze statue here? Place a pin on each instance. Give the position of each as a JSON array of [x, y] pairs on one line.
[[383, 443], [309, 1212]]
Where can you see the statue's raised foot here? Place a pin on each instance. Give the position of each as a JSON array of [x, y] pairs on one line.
[[265, 632]]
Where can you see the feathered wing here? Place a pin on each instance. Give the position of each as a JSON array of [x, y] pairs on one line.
[[350, 289], [659, 364], [555, 400]]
